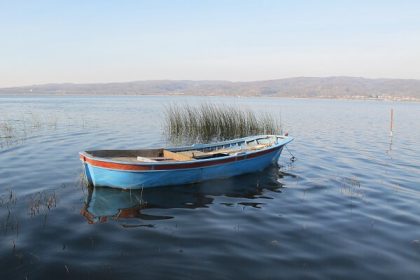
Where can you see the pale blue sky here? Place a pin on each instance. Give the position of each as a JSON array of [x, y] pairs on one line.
[[105, 41]]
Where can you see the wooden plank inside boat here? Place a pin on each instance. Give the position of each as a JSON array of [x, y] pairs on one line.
[[193, 154], [145, 159], [176, 156]]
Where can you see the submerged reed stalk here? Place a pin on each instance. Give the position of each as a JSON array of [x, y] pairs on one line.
[[6, 130], [211, 122]]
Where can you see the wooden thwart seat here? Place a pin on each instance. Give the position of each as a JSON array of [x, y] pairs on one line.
[[176, 156], [145, 159], [193, 154]]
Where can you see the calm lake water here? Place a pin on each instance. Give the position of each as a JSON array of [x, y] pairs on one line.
[[348, 208]]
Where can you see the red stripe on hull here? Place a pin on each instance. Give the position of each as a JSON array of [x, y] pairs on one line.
[[139, 167]]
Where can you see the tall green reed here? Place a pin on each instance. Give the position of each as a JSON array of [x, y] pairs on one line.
[[211, 122]]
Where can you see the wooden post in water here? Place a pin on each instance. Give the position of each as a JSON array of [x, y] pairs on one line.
[[392, 122]]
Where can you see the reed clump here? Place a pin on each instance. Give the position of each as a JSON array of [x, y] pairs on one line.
[[42, 202], [6, 130], [212, 122], [17, 129]]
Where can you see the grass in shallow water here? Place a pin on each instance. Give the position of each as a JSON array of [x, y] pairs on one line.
[[211, 122]]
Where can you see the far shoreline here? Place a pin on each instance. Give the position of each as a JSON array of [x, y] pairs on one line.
[[358, 98]]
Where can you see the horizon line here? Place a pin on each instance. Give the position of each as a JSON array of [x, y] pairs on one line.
[[202, 80]]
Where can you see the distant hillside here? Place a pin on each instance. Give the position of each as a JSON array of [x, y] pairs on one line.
[[303, 87]]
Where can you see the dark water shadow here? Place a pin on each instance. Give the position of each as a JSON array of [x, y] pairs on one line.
[[105, 204]]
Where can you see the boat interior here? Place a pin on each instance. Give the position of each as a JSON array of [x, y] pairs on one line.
[[187, 154]]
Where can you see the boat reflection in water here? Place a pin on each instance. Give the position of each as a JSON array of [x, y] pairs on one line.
[[105, 204]]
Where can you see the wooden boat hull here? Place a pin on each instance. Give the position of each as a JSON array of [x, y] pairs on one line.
[[108, 173]]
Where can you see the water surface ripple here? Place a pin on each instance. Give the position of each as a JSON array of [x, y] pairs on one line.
[[346, 209]]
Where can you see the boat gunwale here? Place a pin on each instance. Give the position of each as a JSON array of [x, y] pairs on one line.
[[179, 166], [226, 159]]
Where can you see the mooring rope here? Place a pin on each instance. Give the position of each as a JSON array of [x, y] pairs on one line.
[[293, 158]]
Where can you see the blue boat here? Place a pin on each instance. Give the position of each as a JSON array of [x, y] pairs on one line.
[[147, 168]]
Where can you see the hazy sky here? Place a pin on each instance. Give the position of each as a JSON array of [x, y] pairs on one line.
[[103, 41]]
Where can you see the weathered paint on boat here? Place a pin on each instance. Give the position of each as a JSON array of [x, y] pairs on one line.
[[105, 172]]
